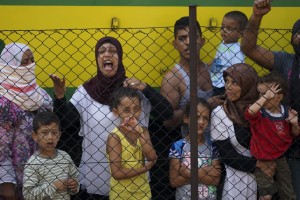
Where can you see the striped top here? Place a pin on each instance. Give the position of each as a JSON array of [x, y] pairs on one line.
[[40, 173]]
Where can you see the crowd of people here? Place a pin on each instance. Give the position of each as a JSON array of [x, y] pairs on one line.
[[119, 138]]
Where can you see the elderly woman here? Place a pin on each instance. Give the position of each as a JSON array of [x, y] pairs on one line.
[[88, 113]]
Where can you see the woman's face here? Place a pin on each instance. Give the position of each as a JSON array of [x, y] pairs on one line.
[[232, 89], [108, 59], [27, 58]]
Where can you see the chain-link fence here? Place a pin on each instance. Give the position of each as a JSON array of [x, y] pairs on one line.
[[148, 53]]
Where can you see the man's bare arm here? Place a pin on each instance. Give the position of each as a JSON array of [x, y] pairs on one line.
[[262, 56]]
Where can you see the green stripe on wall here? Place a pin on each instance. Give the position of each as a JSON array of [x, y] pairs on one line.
[[277, 3]]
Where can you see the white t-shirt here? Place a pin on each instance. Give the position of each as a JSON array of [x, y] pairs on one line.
[[237, 184], [227, 55], [97, 121]]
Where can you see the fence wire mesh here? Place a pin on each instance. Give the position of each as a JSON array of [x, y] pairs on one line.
[[148, 53]]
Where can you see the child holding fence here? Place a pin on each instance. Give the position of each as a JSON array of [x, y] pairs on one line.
[[273, 128], [49, 173], [128, 145], [209, 167], [229, 51]]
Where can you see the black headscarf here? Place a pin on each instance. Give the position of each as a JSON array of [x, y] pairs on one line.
[[295, 75], [100, 87]]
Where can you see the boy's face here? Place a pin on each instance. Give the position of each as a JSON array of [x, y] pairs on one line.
[[129, 107], [47, 137], [182, 42], [230, 31], [273, 103]]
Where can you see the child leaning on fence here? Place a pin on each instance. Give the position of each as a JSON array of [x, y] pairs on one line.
[[273, 128], [49, 173], [128, 145], [229, 51], [180, 154]]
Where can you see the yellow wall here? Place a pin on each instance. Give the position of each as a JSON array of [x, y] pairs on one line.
[[48, 17], [69, 60]]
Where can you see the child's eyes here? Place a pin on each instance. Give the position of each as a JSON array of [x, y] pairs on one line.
[[229, 29], [204, 118]]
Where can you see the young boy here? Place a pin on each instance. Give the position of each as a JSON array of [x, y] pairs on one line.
[[49, 173], [273, 128], [228, 52]]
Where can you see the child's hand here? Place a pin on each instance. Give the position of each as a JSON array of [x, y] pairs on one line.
[[72, 185], [150, 164], [61, 185], [272, 91], [131, 124], [213, 170], [185, 170], [293, 117]]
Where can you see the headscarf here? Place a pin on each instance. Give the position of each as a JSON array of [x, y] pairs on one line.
[[295, 29], [18, 83], [101, 87], [246, 77], [295, 72]]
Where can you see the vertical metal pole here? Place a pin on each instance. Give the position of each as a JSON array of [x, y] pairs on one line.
[[193, 98]]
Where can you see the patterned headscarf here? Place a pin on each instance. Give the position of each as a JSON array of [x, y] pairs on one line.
[[18, 83], [246, 77], [101, 87]]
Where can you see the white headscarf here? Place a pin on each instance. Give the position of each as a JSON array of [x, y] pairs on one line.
[[18, 83]]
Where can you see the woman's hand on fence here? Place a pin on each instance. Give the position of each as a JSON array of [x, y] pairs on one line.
[[59, 86], [134, 83]]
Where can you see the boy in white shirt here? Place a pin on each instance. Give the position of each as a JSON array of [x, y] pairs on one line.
[[228, 52]]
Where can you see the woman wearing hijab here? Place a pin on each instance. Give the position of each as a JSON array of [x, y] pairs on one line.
[[88, 113], [20, 99], [231, 134], [285, 63]]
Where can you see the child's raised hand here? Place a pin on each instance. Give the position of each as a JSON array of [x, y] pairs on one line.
[[272, 91], [293, 117]]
